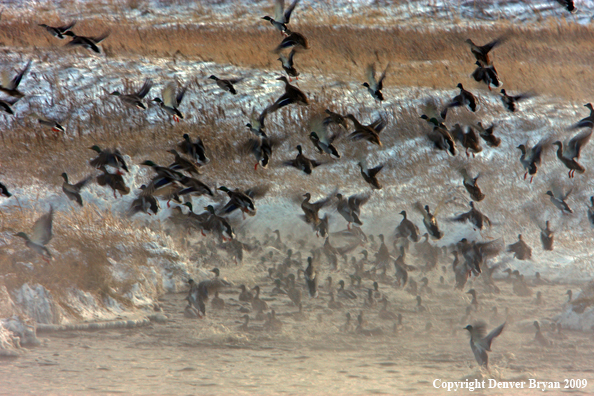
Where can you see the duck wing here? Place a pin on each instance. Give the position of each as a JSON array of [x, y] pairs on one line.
[[574, 146], [144, 90]]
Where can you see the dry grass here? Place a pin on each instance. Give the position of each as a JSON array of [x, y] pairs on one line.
[[84, 242], [549, 59]]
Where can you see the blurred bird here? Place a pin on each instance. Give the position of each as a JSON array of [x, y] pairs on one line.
[[311, 278], [559, 201], [292, 95], [486, 74], [41, 235], [465, 98], [281, 16], [407, 229], [510, 102], [194, 150], [568, 5], [135, 99], [256, 124], [471, 185], [58, 31], [370, 132], [113, 180], [587, 122], [488, 136], [375, 86], [481, 53], [569, 154], [320, 137], [531, 158], [72, 191], [481, 344], [4, 191], [520, 249], [111, 157], [294, 39], [10, 87], [370, 174], [302, 163], [474, 216], [547, 237], [89, 43], [171, 101], [226, 85], [429, 220], [288, 64]]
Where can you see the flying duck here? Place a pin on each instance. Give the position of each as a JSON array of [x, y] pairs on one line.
[[370, 132], [350, 208], [9, 86], [559, 201], [470, 183], [52, 124], [375, 86], [335, 118], [481, 344], [587, 122], [486, 74], [135, 99], [370, 174], [509, 102], [429, 221], [261, 148], [474, 216], [113, 180], [520, 249], [281, 16], [465, 98], [440, 135], [226, 85], [469, 139], [531, 158], [571, 152], [302, 163], [58, 31], [89, 43], [72, 191], [41, 234], [111, 157], [294, 39], [171, 101], [288, 65], [320, 137], [194, 150], [243, 200], [487, 135], [144, 203], [292, 95], [256, 124], [182, 164], [481, 53]]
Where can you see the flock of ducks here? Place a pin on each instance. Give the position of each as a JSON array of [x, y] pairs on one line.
[[179, 182]]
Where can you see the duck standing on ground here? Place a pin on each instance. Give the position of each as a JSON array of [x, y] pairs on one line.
[[487, 135], [311, 278], [587, 122], [470, 183], [547, 237]]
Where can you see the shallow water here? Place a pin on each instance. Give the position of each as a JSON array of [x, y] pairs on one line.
[[212, 356]]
